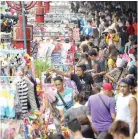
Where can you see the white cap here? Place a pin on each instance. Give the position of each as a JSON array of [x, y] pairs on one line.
[[120, 62], [106, 30]]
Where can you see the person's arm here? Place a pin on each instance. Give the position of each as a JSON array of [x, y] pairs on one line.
[[109, 76], [133, 110], [94, 130], [62, 73], [110, 67], [90, 119], [131, 72], [112, 109], [100, 73]]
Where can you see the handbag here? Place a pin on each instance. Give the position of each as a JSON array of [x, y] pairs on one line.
[[64, 103]]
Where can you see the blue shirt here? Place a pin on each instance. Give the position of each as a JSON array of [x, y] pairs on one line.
[[68, 97], [87, 31]]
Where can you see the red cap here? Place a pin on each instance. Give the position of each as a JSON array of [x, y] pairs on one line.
[[107, 86]]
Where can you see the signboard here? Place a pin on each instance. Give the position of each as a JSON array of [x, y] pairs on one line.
[[18, 33]]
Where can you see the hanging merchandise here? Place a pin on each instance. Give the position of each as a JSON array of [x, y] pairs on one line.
[[76, 34], [7, 95], [10, 61]]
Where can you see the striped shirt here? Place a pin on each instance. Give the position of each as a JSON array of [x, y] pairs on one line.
[[22, 90]]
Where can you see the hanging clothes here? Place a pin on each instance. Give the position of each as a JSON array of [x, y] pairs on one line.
[[7, 103], [31, 94], [22, 90]]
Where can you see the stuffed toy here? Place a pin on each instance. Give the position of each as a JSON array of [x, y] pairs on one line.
[[17, 62], [4, 67]]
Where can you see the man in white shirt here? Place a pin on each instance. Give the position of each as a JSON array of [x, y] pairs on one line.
[[127, 106]]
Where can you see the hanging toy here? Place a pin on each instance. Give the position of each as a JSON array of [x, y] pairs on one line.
[[4, 68], [26, 130], [4, 25], [27, 59]]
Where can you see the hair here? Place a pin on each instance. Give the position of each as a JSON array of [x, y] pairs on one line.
[[56, 136], [96, 90], [113, 50], [105, 135], [124, 28], [78, 98], [126, 81], [92, 52], [87, 37], [85, 48], [58, 78], [120, 127], [91, 44], [74, 125], [131, 38], [129, 21], [82, 66], [96, 47]]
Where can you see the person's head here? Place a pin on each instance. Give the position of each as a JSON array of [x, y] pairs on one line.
[[110, 31], [59, 83], [112, 49], [120, 63], [96, 90], [92, 54], [2, 40], [131, 39], [107, 89], [106, 25], [119, 130], [78, 98], [132, 83], [87, 38], [81, 68], [128, 23], [85, 48], [96, 48], [56, 136], [74, 126], [124, 28], [90, 45], [89, 22], [124, 86], [135, 42], [105, 135]]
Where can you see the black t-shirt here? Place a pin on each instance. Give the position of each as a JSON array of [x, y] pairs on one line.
[[84, 84], [76, 79], [87, 78], [133, 70], [124, 38]]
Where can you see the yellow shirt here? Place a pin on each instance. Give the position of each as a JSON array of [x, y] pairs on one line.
[[115, 38], [2, 46], [111, 62]]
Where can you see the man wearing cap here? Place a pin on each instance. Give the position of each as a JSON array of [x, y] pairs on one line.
[[102, 108], [127, 106]]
